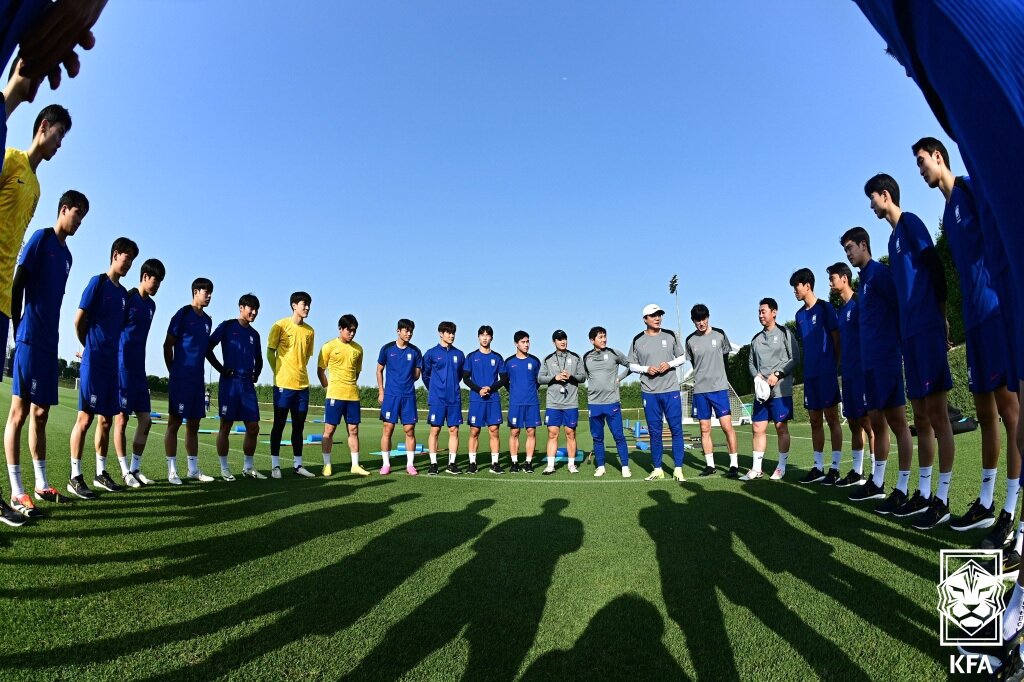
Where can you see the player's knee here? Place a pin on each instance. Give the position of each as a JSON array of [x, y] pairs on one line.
[[39, 414]]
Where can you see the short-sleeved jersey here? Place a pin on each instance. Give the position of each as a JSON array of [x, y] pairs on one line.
[[47, 262], [343, 362], [919, 309], [648, 350], [878, 306], [849, 337], [966, 243], [603, 375], [483, 369], [400, 365], [104, 304], [522, 379], [815, 325], [19, 194], [138, 318], [442, 372], [775, 351], [240, 347], [707, 354], [191, 331], [294, 346]]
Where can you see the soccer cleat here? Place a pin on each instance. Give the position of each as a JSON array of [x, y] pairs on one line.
[[10, 516], [496, 468], [707, 471], [50, 495], [831, 477], [103, 480], [328, 470], [599, 471], [572, 468], [1011, 565], [78, 488], [734, 472], [514, 468], [432, 469], [868, 491], [626, 473], [304, 472], [656, 475], [453, 469], [547, 472], [1001, 533], [198, 475], [851, 478], [677, 474], [173, 478], [141, 478], [385, 470], [915, 504], [815, 475], [411, 470], [528, 467], [778, 474], [472, 468], [226, 475], [130, 480], [897, 498], [752, 475], [253, 473], [357, 470], [275, 472], [976, 516], [24, 505], [938, 513]]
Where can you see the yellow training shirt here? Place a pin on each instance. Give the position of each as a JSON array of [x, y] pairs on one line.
[[19, 194], [294, 345], [343, 362]]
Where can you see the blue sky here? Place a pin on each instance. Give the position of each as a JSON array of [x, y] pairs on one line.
[[529, 165]]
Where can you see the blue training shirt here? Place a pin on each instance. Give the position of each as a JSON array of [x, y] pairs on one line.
[[442, 372], [400, 366], [878, 305], [966, 242], [240, 347], [483, 369], [919, 309], [522, 380], [138, 318], [103, 302], [191, 332], [47, 261], [816, 326], [849, 337]]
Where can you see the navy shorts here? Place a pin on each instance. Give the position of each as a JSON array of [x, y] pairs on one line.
[[926, 365], [291, 398], [988, 358], [35, 375], [437, 415], [484, 413], [186, 399], [335, 409], [398, 407], [133, 395], [883, 388], [821, 392], [524, 416], [705, 403], [854, 406], [775, 409], [237, 400], [568, 418], [98, 390]]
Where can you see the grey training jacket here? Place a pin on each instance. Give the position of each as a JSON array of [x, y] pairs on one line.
[[553, 365], [773, 351]]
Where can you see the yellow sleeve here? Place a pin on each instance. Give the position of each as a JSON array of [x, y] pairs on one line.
[[273, 340], [325, 355]]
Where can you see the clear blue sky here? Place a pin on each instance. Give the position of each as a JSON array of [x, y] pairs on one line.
[[530, 165]]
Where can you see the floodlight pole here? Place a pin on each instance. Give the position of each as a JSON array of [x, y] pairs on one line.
[[673, 288]]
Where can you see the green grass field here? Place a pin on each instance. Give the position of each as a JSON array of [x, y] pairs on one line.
[[480, 577]]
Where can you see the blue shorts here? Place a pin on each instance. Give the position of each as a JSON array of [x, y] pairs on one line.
[[821, 392], [705, 403], [484, 413], [437, 415], [133, 395], [97, 389], [291, 398], [778, 410], [926, 365], [5, 326], [854, 406], [555, 417], [524, 416], [988, 365], [883, 388], [35, 375], [237, 400], [335, 409], [1008, 298], [186, 399], [399, 407]]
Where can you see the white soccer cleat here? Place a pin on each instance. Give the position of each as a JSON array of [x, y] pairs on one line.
[[226, 475], [198, 475], [141, 478], [253, 473], [677, 474], [304, 472], [656, 475], [130, 480], [573, 469], [778, 474], [599, 472], [275, 472], [173, 478], [752, 475], [626, 473]]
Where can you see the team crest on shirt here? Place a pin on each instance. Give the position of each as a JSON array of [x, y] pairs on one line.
[[224, 409], [664, 343], [33, 389], [897, 244], [568, 361], [493, 362], [605, 356], [67, 267], [529, 365], [714, 343], [207, 328], [956, 212], [455, 359], [408, 356], [775, 339], [814, 319], [849, 314]]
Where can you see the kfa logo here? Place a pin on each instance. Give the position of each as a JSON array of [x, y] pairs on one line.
[[455, 359], [605, 356], [714, 343], [970, 597], [493, 362], [956, 212], [529, 365], [814, 319], [849, 314], [664, 343], [67, 267], [92, 399], [897, 245], [408, 356]]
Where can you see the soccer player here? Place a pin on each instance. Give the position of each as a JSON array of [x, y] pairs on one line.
[[442, 372], [236, 390], [601, 365], [521, 372], [878, 307], [818, 327], [341, 361], [655, 353], [562, 371], [921, 288], [133, 384], [708, 350], [289, 348], [774, 354], [188, 337], [99, 322], [483, 373], [854, 408], [990, 367], [39, 281], [402, 361]]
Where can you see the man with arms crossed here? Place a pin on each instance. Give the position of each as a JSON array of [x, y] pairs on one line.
[[708, 349]]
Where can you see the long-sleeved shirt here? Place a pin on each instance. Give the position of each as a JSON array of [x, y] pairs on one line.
[[484, 369], [773, 351], [562, 395], [603, 377], [650, 350]]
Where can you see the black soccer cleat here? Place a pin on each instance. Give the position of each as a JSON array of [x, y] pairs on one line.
[[11, 516], [528, 467], [1011, 562], [1001, 533], [707, 471], [78, 488], [514, 468], [453, 469], [976, 516], [938, 513], [815, 475], [850, 479], [432, 469], [915, 504], [496, 469], [472, 469], [895, 500], [868, 491], [831, 478], [103, 480], [734, 473]]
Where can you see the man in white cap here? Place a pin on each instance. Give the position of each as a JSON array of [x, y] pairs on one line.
[[655, 353]]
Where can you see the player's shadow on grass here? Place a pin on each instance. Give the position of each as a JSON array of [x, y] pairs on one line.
[[623, 641], [496, 599], [322, 602]]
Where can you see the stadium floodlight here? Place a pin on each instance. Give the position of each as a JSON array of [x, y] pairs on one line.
[[673, 284]]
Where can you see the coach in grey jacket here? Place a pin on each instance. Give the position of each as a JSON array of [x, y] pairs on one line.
[[602, 367], [562, 372]]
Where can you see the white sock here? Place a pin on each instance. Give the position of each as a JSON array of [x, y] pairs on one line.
[[1017, 541], [494, 458], [355, 459], [172, 465], [136, 462], [988, 486], [1013, 617], [223, 462], [472, 458], [902, 481], [193, 463], [297, 461], [858, 461], [878, 472], [451, 458], [515, 459], [248, 459], [101, 463], [758, 457], [39, 465], [783, 460], [942, 489], [734, 459], [408, 459], [872, 456], [275, 461], [924, 482], [14, 473], [1012, 489], [123, 462], [710, 458], [386, 457], [76, 468], [326, 457], [433, 458], [819, 460], [551, 462], [836, 456]]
